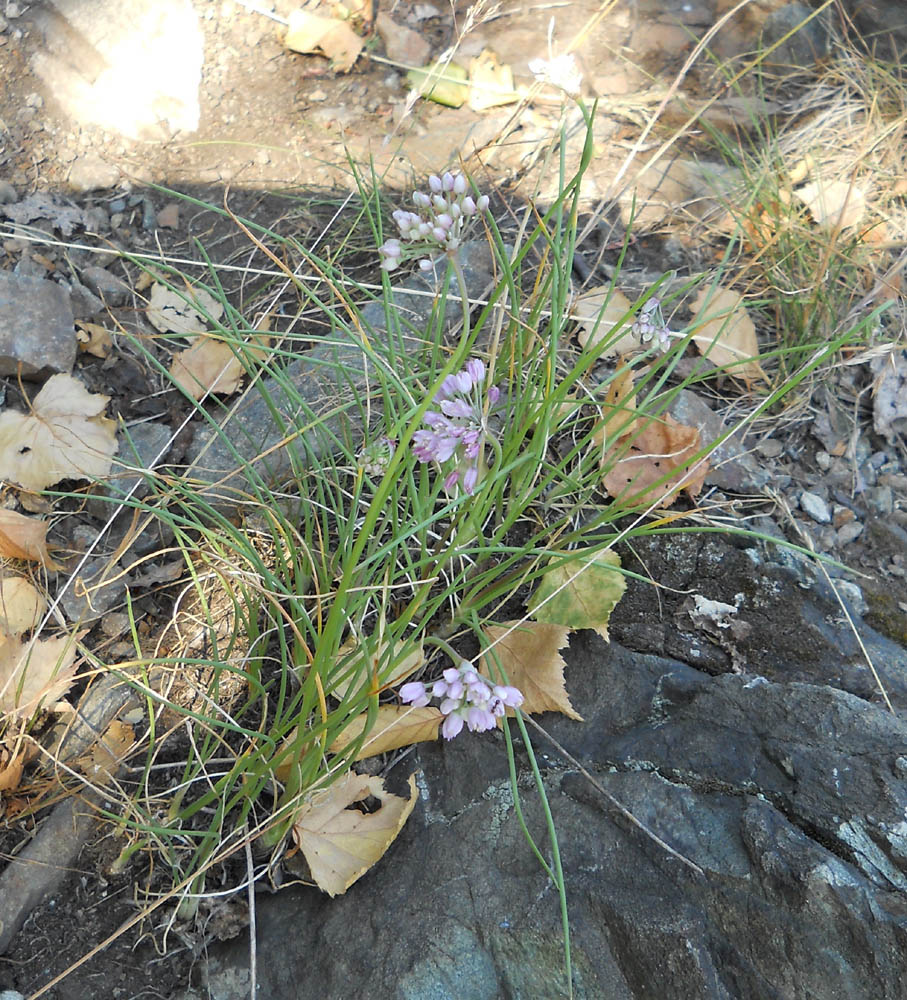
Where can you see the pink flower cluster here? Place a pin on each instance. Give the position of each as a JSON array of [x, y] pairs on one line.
[[459, 429], [466, 699], [650, 324], [439, 224]]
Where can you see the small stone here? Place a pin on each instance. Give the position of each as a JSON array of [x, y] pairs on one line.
[[823, 460], [402, 44], [169, 216], [881, 498], [108, 286], [8, 193], [34, 101], [262, 157], [99, 586], [89, 172], [85, 304], [853, 595], [318, 95], [770, 449], [842, 515], [37, 335], [849, 532], [14, 10], [816, 507]]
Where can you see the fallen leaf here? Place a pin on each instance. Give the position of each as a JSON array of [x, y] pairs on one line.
[[490, 82], [312, 33], [395, 726], [24, 538], [662, 446], [580, 592], [35, 674], [11, 765], [356, 674], [530, 657], [598, 312], [94, 339], [21, 606], [617, 411], [102, 762], [443, 84], [833, 204], [65, 436], [725, 334], [210, 365], [341, 844], [171, 312]]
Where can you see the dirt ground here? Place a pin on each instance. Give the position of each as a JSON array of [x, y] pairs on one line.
[[272, 124]]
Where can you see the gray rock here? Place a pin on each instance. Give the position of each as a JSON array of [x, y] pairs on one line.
[[849, 532], [809, 44], [321, 379], [37, 336], [7, 193], [97, 587], [816, 507], [786, 797], [113, 290], [85, 304]]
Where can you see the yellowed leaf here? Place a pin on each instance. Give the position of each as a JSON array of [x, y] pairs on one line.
[[725, 334], [598, 311], [357, 674], [24, 538], [35, 674], [341, 844], [94, 339], [530, 656], [21, 606], [312, 33], [395, 726], [662, 446], [66, 436], [171, 312], [490, 82], [833, 203]]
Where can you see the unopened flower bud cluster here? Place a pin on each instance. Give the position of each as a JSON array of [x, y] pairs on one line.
[[467, 699], [374, 458], [442, 217], [650, 327]]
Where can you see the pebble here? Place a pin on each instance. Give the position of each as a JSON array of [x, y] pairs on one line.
[[108, 286], [823, 460], [849, 532], [770, 449], [881, 498], [36, 327], [89, 172], [816, 507], [85, 304], [853, 595], [8, 193], [169, 216]]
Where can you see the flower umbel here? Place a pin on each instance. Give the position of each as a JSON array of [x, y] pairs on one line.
[[439, 224], [650, 325], [373, 458], [458, 429], [467, 699]]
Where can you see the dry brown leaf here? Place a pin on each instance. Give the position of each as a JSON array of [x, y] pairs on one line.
[[336, 39], [530, 656], [66, 436], [341, 844], [24, 538], [395, 726], [21, 606], [210, 365], [620, 403], [170, 312], [725, 334], [586, 311], [661, 446], [36, 673], [833, 204], [94, 339], [102, 762], [354, 676]]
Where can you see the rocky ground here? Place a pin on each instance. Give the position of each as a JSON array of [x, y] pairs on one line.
[[754, 739]]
